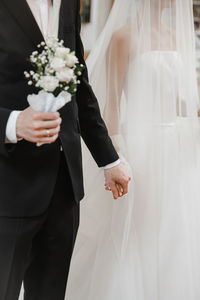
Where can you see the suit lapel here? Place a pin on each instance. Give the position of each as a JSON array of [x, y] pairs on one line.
[[24, 17]]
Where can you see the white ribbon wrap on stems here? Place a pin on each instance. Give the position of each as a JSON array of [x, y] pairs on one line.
[[47, 102]]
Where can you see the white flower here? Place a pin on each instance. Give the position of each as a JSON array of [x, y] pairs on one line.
[[36, 76], [71, 60], [65, 74], [57, 63], [33, 60], [27, 75], [62, 52], [48, 83]]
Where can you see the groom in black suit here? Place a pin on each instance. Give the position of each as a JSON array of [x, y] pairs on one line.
[[41, 187]]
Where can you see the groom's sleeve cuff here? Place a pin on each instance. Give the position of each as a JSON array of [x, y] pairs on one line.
[[112, 165], [11, 136]]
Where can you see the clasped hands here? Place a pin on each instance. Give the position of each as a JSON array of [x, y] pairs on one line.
[[117, 180]]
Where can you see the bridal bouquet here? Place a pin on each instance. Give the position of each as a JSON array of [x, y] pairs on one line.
[[55, 73]]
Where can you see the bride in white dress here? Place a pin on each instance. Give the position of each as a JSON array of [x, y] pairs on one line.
[[146, 246]]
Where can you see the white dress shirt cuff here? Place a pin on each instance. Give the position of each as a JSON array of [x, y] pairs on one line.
[[112, 165], [11, 135]]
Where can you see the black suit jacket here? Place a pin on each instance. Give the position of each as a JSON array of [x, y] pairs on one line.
[[28, 173]]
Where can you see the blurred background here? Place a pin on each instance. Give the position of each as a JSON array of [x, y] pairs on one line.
[[94, 14]]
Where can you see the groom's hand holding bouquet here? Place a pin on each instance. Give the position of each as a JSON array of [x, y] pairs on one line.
[[55, 74]]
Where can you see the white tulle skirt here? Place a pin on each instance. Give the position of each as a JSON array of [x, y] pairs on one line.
[[147, 245]]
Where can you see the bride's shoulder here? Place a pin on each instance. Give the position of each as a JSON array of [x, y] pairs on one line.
[[123, 37], [122, 34]]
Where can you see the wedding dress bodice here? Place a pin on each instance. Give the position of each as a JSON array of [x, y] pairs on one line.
[[157, 86]]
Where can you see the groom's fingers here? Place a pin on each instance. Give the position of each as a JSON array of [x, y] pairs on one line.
[[38, 125], [47, 140], [51, 132], [45, 115]]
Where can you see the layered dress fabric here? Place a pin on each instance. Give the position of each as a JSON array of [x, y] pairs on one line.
[[145, 246]]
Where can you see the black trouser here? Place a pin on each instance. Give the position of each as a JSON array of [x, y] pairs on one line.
[[38, 250]]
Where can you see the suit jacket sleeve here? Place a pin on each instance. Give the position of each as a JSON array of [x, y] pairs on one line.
[[4, 116], [93, 128]]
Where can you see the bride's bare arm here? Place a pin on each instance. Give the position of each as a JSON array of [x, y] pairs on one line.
[[117, 65]]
